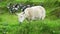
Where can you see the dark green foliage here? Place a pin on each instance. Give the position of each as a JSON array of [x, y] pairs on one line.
[[55, 14]]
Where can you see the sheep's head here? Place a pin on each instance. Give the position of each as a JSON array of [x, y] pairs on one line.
[[21, 17]]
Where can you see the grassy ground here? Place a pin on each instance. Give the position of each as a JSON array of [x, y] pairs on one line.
[[9, 23]]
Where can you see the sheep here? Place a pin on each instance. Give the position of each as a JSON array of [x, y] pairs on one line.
[[32, 13]]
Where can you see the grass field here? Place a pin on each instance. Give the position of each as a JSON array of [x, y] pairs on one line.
[[9, 23]]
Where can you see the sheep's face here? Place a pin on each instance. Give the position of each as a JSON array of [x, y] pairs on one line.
[[21, 17]]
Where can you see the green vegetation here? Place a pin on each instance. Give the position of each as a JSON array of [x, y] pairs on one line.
[[51, 25]]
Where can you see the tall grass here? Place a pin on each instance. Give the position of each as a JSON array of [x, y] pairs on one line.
[[9, 23]]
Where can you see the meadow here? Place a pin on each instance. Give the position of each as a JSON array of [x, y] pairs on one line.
[[9, 22]]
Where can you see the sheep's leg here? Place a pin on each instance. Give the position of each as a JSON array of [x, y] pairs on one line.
[[28, 19], [43, 16], [33, 18]]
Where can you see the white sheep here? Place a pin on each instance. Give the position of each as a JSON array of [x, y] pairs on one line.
[[32, 13]]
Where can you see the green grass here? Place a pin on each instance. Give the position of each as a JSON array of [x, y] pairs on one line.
[[9, 23], [8, 18]]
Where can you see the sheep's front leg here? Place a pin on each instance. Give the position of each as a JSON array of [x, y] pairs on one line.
[[33, 18]]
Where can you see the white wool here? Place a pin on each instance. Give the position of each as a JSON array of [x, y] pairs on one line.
[[21, 17], [36, 12]]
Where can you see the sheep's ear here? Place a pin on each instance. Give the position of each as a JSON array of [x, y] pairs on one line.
[[23, 12]]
